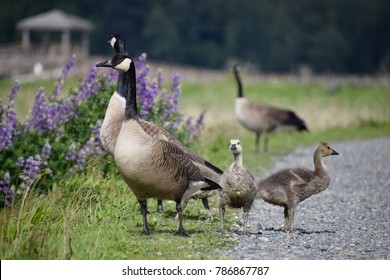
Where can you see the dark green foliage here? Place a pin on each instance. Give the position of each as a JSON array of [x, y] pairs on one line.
[[328, 36]]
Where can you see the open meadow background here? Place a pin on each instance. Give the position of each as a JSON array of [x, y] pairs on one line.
[[91, 215]]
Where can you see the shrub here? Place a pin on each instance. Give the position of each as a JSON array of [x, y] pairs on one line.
[[60, 135]]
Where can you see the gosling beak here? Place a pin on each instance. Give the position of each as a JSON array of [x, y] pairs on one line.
[[107, 63], [334, 153], [233, 147]]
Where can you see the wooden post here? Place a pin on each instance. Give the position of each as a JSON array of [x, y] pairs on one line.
[[65, 44], [26, 40]]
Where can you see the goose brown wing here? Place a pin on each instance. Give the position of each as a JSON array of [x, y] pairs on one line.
[[286, 117], [161, 134], [181, 162]]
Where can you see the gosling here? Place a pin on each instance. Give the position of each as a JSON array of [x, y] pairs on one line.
[[238, 188], [288, 187]]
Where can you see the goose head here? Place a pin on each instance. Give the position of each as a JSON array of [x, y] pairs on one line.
[[126, 83], [326, 150], [236, 69], [118, 43], [235, 146], [120, 62]]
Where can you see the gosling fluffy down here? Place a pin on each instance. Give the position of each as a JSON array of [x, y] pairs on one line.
[[288, 187], [238, 186]]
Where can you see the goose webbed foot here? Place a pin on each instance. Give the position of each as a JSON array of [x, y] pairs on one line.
[[181, 232]]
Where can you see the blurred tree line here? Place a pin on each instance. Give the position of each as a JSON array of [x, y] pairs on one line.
[[342, 36]]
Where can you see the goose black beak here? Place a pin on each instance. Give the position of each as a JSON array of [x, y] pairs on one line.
[[107, 63], [334, 153]]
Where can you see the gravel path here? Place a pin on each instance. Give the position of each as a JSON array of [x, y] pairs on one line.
[[349, 220]]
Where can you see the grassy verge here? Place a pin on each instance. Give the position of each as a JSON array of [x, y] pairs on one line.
[[90, 216]]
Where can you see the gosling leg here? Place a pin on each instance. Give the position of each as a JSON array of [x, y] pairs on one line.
[[291, 211], [245, 216], [221, 216], [285, 224], [206, 205]]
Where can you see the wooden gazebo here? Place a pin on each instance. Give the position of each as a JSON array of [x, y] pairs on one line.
[[56, 21]]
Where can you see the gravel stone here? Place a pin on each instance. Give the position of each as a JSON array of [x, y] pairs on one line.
[[350, 220]]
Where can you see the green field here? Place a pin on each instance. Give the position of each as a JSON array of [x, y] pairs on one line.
[[94, 217]]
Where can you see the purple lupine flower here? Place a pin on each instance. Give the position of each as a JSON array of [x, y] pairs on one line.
[[72, 153], [64, 75], [194, 128], [91, 148], [88, 87], [111, 77], [5, 187], [97, 144], [160, 79], [146, 91], [8, 121], [33, 165], [40, 116]]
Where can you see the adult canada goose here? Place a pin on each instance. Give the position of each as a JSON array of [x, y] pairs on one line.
[[238, 186], [288, 187], [152, 167], [207, 169], [262, 118]]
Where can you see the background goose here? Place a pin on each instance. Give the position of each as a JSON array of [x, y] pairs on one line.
[[262, 118], [238, 186], [207, 169], [288, 187], [151, 167]]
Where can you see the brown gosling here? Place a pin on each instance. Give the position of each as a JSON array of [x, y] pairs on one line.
[[263, 118], [288, 187], [238, 186]]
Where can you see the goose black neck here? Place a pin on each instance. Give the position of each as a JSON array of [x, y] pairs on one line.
[[122, 85], [239, 84], [131, 111]]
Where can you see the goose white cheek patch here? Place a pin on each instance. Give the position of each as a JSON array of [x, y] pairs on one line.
[[124, 65], [113, 41]]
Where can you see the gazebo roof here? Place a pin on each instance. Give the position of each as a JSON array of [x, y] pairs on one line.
[[55, 20]]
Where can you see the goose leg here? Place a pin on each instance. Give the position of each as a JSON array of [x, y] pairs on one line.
[[266, 142], [144, 212], [183, 206], [206, 205], [221, 216], [257, 145], [160, 206], [180, 231]]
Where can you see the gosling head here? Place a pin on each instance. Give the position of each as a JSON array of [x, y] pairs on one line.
[[120, 62], [326, 150], [118, 42], [235, 146]]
